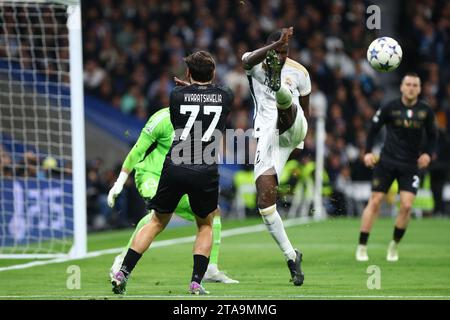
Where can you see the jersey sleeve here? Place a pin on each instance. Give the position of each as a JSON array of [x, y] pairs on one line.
[[174, 104], [256, 71], [378, 120], [154, 129], [304, 87], [246, 67]]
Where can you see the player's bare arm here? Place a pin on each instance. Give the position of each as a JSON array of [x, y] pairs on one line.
[[258, 56], [304, 102]]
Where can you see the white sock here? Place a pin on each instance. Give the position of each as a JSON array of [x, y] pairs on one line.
[[275, 226]]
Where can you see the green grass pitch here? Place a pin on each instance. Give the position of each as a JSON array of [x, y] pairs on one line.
[[331, 272]]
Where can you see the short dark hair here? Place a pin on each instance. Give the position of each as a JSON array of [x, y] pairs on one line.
[[410, 74], [274, 36], [201, 65]]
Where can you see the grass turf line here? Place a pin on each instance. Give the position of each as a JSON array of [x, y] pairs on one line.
[[255, 260]]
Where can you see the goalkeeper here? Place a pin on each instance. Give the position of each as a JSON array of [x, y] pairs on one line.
[[147, 158]]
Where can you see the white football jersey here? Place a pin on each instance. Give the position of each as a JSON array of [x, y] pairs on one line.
[[294, 76]]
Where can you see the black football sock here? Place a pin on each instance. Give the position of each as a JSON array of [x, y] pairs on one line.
[[363, 238], [398, 234], [130, 261], [200, 266]]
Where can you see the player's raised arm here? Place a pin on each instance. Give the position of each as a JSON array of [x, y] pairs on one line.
[[253, 58], [148, 136]]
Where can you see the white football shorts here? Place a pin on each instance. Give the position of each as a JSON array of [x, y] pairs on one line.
[[273, 150]]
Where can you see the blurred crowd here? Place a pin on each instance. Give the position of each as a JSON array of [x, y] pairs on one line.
[[32, 165]]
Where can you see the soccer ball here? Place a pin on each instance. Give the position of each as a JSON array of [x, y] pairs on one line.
[[384, 54]]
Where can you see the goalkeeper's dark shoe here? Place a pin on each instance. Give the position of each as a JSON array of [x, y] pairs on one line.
[[119, 283], [273, 71], [295, 268]]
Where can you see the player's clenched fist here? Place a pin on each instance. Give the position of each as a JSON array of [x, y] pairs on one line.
[[286, 34], [370, 160], [117, 188], [423, 161]]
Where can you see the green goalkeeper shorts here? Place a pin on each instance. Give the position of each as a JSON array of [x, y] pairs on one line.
[[147, 184]]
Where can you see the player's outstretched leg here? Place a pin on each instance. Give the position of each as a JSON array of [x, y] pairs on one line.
[[119, 258], [283, 95], [213, 274], [273, 71], [266, 186], [287, 111]]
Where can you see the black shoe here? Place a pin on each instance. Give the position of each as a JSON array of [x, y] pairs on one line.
[[273, 70], [297, 275]]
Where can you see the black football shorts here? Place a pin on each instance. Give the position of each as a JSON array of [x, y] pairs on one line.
[[202, 189], [384, 174]]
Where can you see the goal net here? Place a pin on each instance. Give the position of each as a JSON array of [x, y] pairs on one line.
[[42, 157]]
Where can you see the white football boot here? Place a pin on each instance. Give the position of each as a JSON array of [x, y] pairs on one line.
[[213, 274], [361, 253], [392, 253]]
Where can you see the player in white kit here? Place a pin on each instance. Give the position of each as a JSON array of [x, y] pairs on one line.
[[280, 89]]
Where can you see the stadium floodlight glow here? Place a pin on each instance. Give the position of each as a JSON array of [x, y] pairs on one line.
[[42, 143]]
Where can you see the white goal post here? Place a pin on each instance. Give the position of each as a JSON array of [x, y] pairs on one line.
[[42, 140]]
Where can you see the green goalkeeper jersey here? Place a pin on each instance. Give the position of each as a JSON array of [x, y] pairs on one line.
[[155, 140], [148, 155]]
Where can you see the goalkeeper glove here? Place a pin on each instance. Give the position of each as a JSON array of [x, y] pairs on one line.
[[117, 188]]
